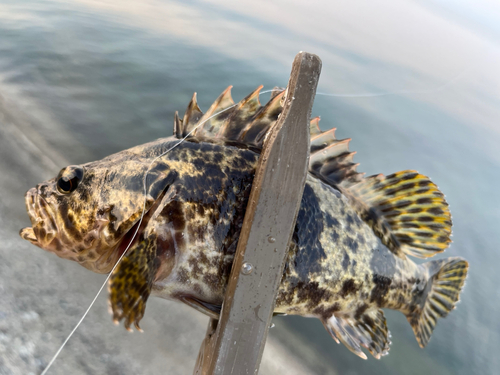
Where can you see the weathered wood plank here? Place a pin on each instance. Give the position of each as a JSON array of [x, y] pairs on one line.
[[235, 345]]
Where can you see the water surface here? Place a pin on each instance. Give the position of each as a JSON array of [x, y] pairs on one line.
[[416, 87]]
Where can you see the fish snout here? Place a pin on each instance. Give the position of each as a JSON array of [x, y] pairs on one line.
[[44, 229], [28, 234]]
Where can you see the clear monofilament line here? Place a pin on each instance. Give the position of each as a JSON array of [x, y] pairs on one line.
[[399, 92]]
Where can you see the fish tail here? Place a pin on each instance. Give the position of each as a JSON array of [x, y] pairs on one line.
[[438, 297]]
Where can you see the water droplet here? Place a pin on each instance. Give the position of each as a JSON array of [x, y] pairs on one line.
[[246, 268], [271, 239]]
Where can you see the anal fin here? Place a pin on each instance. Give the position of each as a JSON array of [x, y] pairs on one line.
[[369, 331]]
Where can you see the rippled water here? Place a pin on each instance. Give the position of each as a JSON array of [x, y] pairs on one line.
[[96, 77]]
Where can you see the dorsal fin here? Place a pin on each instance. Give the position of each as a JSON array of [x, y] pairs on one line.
[[332, 160], [210, 126], [248, 122], [314, 127], [254, 132], [406, 210], [192, 116], [240, 116], [322, 139], [177, 125]]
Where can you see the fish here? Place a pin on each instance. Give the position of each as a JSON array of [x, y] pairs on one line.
[[173, 209]]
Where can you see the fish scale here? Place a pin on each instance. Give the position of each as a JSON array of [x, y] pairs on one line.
[[348, 257]]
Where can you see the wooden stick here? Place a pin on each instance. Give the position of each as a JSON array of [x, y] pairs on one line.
[[235, 344]]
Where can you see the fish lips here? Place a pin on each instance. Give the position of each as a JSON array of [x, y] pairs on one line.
[[28, 234], [43, 229]]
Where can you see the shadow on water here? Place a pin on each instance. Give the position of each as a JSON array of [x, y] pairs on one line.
[[88, 79]]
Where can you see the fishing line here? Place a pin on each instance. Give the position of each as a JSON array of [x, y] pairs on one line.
[[398, 92], [133, 237]]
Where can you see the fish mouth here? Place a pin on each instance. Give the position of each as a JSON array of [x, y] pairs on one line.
[[43, 230], [28, 234]]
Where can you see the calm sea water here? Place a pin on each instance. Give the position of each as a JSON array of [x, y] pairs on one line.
[[417, 87]]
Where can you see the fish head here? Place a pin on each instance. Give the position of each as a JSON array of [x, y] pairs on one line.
[[90, 213]]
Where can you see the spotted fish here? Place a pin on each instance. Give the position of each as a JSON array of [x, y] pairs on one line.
[[348, 257]]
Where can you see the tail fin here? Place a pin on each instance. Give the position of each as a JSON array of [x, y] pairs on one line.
[[446, 279]]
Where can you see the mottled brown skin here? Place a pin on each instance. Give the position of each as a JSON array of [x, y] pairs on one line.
[[335, 262], [344, 264]]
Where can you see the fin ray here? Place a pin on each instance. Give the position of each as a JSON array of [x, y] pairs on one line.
[[210, 126], [249, 122], [131, 282], [369, 331], [191, 117], [446, 280], [314, 127], [240, 116], [406, 210]]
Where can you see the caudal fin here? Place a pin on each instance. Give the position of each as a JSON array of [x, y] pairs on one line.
[[446, 279]]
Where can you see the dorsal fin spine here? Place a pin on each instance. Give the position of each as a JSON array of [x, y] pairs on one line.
[[314, 126], [260, 120], [177, 125], [249, 122], [323, 139], [192, 116], [414, 216], [208, 127], [245, 109]]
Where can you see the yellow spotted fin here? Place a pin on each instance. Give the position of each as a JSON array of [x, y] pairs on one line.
[[439, 297], [406, 210], [131, 282]]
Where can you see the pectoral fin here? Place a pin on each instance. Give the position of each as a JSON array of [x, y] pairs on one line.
[[131, 282]]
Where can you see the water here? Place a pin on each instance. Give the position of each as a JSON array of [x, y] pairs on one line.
[[88, 78]]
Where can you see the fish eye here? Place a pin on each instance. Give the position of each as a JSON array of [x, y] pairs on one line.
[[69, 178]]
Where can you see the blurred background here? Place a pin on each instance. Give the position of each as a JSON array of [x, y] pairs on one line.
[[415, 84]]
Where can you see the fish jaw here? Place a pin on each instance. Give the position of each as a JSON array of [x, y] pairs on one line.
[[101, 252], [29, 235]]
